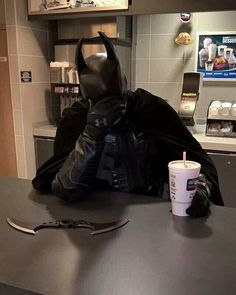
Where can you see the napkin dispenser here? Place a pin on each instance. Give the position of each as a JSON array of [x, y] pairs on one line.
[[192, 83]]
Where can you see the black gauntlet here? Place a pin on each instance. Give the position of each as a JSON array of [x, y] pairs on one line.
[[77, 175], [200, 206]]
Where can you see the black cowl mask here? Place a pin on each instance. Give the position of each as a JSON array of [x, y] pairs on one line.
[[100, 74]]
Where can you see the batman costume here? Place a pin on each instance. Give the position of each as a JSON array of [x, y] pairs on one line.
[[121, 140]]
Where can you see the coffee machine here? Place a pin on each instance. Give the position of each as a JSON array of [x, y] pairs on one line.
[[192, 83]]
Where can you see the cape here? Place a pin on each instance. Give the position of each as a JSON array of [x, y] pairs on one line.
[[162, 128]]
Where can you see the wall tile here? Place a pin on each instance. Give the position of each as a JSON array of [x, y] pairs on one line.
[[168, 91], [42, 114], [21, 169], [165, 23], [28, 118], [38, 65], [143, 46], [18, 122], [10, 12], [28, 93], [221, 92], [164, 46], [166, 70], [11, 40], [143, 85], [201, 112], [32, 42], [216, 21], [14, 69], [142, 70], [30, 156], [133, 71], [22, 17], [21, 13], [171, 24], [35, 95], [15, 96], [20, 148], [143, 24], [189, 65]]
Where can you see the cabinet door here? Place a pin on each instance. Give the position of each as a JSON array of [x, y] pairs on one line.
[[43, 150], [226, 168]]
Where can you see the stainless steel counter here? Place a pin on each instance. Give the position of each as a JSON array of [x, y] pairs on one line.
[[155, 253], [45, 131]]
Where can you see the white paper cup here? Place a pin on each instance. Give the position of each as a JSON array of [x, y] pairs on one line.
[[182, 179]]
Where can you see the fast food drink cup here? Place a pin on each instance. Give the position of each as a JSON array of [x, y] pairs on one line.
[[209, 65], [182, 182], [221, 50]]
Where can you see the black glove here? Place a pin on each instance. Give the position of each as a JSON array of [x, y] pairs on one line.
[[200, 206], [76, 177], [102, 116]]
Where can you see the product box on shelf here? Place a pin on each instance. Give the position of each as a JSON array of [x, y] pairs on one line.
[[63, 72]]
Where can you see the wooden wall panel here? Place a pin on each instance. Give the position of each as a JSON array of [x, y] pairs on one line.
[[2, 13], [7, 138]]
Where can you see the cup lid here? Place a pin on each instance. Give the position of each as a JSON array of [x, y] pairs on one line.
[[179, 165]]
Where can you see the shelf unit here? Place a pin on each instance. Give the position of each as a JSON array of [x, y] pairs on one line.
[[221, 125]]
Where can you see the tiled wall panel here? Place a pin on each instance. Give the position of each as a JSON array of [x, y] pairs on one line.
[[160, 63], [29, 49]]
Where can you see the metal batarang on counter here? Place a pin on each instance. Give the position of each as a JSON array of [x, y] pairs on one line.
[[97, 228]]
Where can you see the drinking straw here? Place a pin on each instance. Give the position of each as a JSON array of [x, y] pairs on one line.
[[184, 159]]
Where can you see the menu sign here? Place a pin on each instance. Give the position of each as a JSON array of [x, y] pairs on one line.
[[70, 6], [216, 56]]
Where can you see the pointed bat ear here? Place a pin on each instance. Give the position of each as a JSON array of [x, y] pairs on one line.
[[79, 59], [109, 47]]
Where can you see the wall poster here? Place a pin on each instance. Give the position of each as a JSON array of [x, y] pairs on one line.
[[216, 55]]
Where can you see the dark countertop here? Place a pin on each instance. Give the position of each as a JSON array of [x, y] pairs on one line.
[[155, 253]]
